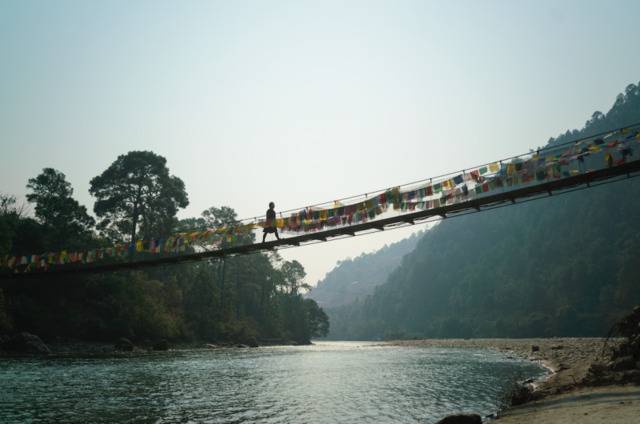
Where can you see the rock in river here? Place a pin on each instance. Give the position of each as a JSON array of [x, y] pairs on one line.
[[161, 345], [124, 345], [461, 419], [25, 343]]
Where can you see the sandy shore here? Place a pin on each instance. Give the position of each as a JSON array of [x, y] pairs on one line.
[[562, 397]]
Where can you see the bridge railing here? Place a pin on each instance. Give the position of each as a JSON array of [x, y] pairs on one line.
[[553, 162]]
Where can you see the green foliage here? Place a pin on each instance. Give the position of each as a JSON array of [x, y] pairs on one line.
[[225, 217], [9, 218], [317, 319], [564, 266], [5, 324], [293, 275], [137, 190], [65, 222], [236, 299]]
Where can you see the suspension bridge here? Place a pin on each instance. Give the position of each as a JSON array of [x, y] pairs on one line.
[[601, 159]]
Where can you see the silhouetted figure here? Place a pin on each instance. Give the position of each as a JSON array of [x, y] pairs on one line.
[[270, 225]]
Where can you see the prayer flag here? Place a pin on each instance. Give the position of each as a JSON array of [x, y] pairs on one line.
[[494, 167], [483, 170], [458, 179]]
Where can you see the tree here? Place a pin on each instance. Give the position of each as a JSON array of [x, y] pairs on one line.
[[225, 216], [190, 224], [294, 273], [137, 191], [318, 320], [65, 221], [8, 218]]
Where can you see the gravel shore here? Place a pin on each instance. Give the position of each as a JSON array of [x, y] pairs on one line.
[[563, 396]]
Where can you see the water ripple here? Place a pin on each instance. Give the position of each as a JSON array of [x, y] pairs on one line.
[[326, 383]]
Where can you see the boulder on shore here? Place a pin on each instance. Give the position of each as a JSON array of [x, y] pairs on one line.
[[461, 419], [24, 343], [251, 342], [124, 345], [521, 393]]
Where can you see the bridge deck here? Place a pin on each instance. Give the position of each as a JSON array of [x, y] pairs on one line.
[[512, 196]]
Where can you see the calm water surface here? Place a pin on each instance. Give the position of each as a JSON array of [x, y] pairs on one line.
[[331, 382]]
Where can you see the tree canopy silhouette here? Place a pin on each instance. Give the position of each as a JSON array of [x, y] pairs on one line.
[[137, 191]]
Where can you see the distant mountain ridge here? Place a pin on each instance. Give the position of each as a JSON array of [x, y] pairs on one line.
[[562, 266], [357, 278]]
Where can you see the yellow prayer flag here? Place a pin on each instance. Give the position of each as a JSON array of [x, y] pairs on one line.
[[594, 149], [139, 246], [494, 167]]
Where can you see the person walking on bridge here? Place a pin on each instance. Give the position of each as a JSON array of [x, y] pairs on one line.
[[270, 224]]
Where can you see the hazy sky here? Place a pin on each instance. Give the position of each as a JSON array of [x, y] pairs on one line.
[[296, 101]]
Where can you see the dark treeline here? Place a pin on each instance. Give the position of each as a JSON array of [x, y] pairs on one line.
[[239, 299], [564, 266]]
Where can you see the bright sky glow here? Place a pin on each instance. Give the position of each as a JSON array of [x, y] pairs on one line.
[[297, 101]]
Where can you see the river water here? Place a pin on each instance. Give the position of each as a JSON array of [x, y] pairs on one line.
[[330, 382]]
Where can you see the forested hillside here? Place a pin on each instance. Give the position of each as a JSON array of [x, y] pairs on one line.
[[565, 265], [356, 278]]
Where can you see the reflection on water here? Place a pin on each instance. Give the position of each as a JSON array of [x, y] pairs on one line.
[[344, 382]]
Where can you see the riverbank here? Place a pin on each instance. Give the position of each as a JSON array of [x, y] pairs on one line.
[[563, 396], [26, 344]]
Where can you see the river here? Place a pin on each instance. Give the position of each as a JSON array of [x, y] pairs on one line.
[[329, 382]]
